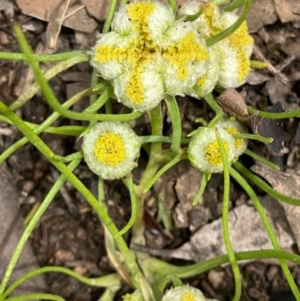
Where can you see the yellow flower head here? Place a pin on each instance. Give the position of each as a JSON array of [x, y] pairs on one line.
[[110, 149]]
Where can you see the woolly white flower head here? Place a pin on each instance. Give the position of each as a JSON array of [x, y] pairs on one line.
[[204, 152], [185, 293], [110, 149]]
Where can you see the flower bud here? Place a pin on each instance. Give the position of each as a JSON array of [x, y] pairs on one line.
[[110, 149]]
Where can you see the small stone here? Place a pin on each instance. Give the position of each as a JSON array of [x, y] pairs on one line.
[[272, 272], [63, 256], [254, 293], [215, 278]]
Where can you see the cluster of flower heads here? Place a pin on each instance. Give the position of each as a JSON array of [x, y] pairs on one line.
[[204, 152], [150, 54]]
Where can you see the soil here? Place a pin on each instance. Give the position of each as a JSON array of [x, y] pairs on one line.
[[70, 234]]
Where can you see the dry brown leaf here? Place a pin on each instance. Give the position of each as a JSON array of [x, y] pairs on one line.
[[43, 10], [287, 10], [262, 13]]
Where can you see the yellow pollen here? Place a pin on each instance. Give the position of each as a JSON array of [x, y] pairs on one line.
[[140, 11], [238, 141], [109, 149], [188, 296], [211, 19], [134, 88], [243, 64], [202, 80], [240, 38], [213, 154], [184, 51]]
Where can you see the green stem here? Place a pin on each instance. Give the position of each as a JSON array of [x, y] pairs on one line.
[[151, 169], [261, 159], [33, 222], [41, 57], [215, 107], [173, 5], [103, 281], [253, 137], [34, 88], [67, 130], [225, 224], [50, 96], [176, 281], [176, 122], [79, 186], [268, 228], [174, 161], [39, 129], [158, 268], [235, 4], [149, 139], [109, 16], [264, 186], [205, 178], [36, 296], [294, 113], [93, 98], [257, 64], [130, 187]]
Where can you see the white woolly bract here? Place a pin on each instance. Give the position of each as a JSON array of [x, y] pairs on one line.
[[211, 75], [132, 150], [226, 123], [121, 22], [113, 68], [197, 149], [160, 21], [179, 292], [228, 66], [201, 23], [152, 83], [196, 68]]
